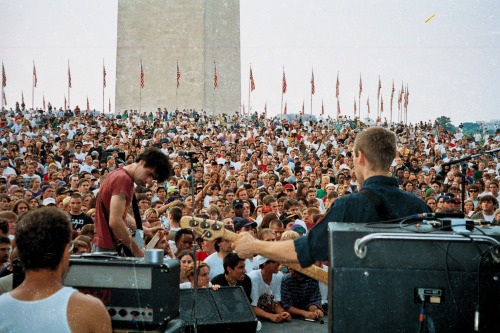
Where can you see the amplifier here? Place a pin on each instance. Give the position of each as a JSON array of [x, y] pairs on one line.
[[137, 294], [382, 276]]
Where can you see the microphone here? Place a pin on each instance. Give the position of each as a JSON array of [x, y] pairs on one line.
[[188, 153], [439, 215], [119, 160]]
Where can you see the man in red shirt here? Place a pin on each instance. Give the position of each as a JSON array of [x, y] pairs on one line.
[[116, 195]]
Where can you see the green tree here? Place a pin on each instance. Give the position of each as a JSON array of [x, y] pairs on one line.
[[445, 123]]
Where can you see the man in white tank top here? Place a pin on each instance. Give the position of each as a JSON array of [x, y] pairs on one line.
[[41, 303]]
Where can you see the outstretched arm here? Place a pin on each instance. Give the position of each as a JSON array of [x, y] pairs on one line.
[[283, 251]]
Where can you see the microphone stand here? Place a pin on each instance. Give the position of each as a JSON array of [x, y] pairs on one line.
[[463, 163]]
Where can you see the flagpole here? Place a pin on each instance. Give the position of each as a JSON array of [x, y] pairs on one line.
[[378, 99], [140, 91], [103, 78], [359, 99], [282, 82], [69, 107], [249, 90], [213, 93], [177, 87], [3, 75], [33, 87], [312, 83]]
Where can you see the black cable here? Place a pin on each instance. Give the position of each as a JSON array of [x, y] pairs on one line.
[[449, 282]]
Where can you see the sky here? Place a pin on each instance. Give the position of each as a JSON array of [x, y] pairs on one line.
[[451, 64]]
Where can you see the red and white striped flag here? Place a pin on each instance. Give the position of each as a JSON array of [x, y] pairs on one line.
[[43, 102], [381, 104], [88, 105], [407, 95], [401, 93], [243, 109], [215, 76], [379, 87], [65, 103], [252, 83], [69, 77], [338, 107], [34, 74], [4, 77], [178, 75], [392, 93], [284, 111], [322, 108], [265, 110], [368, 104], [360, 86], [4, 97], [284, 81], [354, 106], [110, 105], [302, 107], [22, 98], [338, 86], [142, 77], [103, 76], [312, 83]]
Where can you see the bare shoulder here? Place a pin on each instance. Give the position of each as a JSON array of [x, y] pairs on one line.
[[87, 314]]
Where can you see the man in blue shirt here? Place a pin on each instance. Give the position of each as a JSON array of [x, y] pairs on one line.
[[374, 152]]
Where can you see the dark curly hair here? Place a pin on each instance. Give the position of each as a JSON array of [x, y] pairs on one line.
[[154, 158], [41, 237]]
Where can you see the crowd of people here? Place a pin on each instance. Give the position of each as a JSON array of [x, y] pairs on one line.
[[269, 177]]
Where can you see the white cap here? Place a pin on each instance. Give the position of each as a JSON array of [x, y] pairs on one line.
[[49, 201]]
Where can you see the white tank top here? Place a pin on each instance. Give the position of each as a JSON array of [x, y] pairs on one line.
[[47, 315]]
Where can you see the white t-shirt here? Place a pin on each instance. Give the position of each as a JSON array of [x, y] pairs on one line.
[[264, 295], [217, 266]]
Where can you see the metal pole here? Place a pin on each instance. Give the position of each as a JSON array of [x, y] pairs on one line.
[[249, 90], [140, 91], [69, 107], [33, 87], [103, 85]]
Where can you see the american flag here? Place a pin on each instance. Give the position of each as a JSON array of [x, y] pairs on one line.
[[284, 111], [265, 110], [65, 103], [4, 77], [252, 83], [406, 96], [368, 104], [379, 87], [338, 107], [142, 77], [312, 83], [178, 75], [4, 97], [69, 77], [401, 93], [88, 105], [284, 81], [44, 102], [110, 105], [302, 107], [22, 98], [354, 106], [215, 76], [381, 104], [322, 108], [360, 86], [34, 74], [243, 109], [104, 76], [338, 85]]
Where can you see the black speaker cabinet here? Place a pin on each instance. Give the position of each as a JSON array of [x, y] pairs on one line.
[[379, 277], [223, 310]]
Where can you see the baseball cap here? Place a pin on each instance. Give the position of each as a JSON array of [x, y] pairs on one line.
[[261, 260], [288, 187], [330, 185], [244, 223], [237, 202], [298, 228], [49, 201], [266, 209]]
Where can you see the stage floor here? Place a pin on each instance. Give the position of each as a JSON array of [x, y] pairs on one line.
[[295, 326]]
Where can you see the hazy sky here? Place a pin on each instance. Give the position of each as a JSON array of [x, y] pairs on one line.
[[451, 63]]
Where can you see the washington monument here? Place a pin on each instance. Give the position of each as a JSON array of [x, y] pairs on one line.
[[198, 36]]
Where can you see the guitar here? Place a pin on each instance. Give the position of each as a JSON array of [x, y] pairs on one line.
[[211, 230]]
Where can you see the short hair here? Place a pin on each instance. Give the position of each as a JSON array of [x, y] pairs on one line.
[[378, 144], [181, 232], [87, 230], [4, 226], [7, 214], [289, 203], [154, 158], [4, 239], [41, 238], [231, 260], [488, 198], [176, 213], [289, 234], [185, 253]]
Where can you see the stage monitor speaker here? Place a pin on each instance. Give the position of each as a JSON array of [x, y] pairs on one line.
[[379, 276], [223, 310]]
